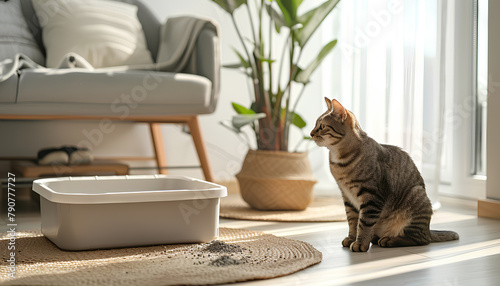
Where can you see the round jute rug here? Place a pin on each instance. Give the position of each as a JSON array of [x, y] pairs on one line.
[[323, 209], [237, 255]]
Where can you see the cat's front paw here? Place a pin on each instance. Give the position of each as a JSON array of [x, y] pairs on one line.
[[347, 241], [358, 247]]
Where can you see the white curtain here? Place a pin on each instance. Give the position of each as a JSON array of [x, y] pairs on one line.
[[391, 75]]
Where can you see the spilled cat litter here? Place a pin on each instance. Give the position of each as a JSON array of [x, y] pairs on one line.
[[217, 246], [224, 261], [237, 255]]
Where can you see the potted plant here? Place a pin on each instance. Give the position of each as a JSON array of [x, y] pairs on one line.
[[273, 177]]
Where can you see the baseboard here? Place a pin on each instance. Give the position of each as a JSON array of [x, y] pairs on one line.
[[488, 208]]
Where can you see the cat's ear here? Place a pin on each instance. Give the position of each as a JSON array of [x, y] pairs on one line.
[[328, 103], [342, 111]]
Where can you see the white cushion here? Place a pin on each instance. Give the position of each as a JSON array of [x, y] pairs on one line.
[[105, 33]]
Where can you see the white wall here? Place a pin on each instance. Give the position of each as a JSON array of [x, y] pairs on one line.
[[493, 133], [226, 152]]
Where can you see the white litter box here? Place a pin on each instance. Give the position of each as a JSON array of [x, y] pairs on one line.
[[80, 213]]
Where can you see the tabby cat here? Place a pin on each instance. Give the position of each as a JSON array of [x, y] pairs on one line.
[[383, 191]]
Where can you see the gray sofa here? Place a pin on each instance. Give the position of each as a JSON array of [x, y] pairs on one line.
[[133, 95]]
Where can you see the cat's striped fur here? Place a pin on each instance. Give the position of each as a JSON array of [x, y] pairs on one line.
[[383, 191]]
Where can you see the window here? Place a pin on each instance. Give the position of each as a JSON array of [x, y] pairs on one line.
[[408, 75], [479, 124]]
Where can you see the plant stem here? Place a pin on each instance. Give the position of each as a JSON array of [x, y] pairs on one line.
[[256, 44], [293, 111], [293, 71], [284, 145], [244, 46], [264, 104], [260, 98], [252, 64], [285, 45], [246, 139], [270, 64], [298, 145], [296, 149], [280, 93], [299, 97], [261, 10], [293, 75], [300, 55]]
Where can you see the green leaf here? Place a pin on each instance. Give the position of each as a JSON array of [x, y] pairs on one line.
[[303, 76], [307, 138], [296, 71], [240, 67], [240, 109], [279, 20], [241, 120], [262, 58], [289, 9], [266, 60], [297, 120], [312, 19], [294, 118], [230, 5], [244, 63]]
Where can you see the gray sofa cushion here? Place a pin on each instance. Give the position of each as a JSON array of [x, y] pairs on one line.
[[15, 36], [100, 87]]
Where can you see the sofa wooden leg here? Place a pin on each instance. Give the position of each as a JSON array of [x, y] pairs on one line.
[[159, 147], [199, 143]]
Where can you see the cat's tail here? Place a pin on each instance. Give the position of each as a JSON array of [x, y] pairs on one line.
[[443, 235]]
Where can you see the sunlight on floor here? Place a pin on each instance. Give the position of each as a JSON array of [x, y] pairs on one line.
[[435, 254], [405, 264], [439, 218], [285, 230], [307, 229], [447, 217]]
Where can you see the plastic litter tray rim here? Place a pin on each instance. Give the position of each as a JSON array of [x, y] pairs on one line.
[[125, 189]]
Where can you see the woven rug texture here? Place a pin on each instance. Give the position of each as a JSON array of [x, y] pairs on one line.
[[237, 255]]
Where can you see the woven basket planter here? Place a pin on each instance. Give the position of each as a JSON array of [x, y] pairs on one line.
[[276, 180]]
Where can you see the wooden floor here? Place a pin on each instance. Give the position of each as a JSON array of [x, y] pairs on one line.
[[473, 260]]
